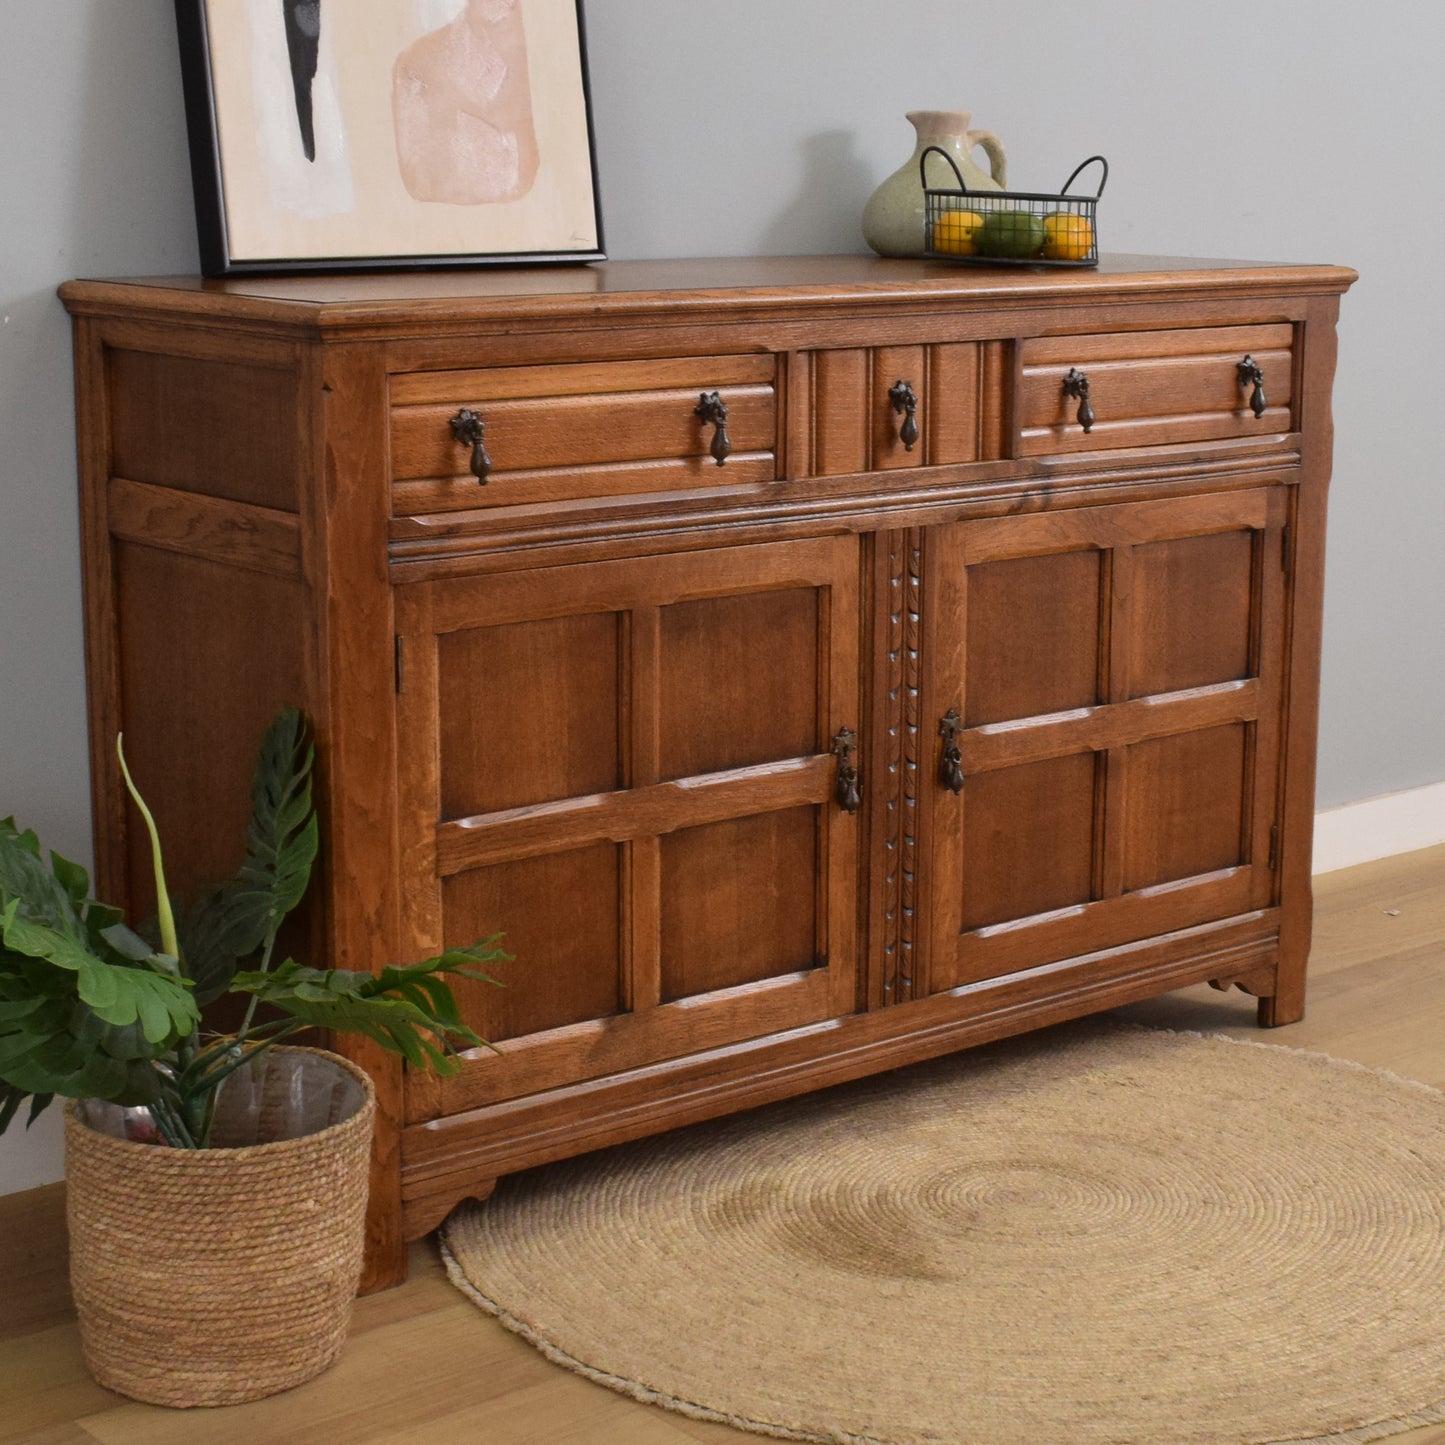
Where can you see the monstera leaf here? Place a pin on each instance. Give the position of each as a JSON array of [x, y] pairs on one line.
[[85, 1005], [406, 1008], [90, 1008], [237, 919]]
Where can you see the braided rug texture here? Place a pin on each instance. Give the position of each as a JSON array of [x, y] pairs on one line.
[[1099, 1235]]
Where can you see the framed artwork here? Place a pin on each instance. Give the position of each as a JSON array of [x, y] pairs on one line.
[[349, 134]]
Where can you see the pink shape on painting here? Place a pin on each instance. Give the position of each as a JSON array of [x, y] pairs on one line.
[[462, 107]]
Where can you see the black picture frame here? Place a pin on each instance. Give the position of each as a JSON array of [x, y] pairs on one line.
[[234, 221]]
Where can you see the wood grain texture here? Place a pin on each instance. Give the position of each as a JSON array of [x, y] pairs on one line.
[[593, 703], [423, 1360], [236, 534], [191, 422], [1305, 563], [899, 753], [350, 622]]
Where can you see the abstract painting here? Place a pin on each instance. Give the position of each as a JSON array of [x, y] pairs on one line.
[[345, 134]]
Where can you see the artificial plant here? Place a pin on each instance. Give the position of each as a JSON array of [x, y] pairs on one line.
[[91, 1009]]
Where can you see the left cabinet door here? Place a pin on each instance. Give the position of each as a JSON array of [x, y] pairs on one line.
[[626, 767]]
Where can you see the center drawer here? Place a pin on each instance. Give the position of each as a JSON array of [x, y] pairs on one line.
[[1153, 388], [597, 429]]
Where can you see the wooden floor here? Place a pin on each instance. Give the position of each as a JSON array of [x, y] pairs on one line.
[[425, 1365]]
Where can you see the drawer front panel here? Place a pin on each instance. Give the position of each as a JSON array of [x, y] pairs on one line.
[[572, 431], [1153, 388], [861, 418]]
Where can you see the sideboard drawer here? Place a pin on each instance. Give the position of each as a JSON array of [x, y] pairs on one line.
[[1149, 388], [553, 433]]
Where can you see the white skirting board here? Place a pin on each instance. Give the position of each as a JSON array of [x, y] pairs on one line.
[[1379, 827]]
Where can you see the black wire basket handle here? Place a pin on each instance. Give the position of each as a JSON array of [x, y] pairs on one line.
[[1103, 176], [952, 165]]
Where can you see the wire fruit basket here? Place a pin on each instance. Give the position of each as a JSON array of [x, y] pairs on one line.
[[1010, 228]]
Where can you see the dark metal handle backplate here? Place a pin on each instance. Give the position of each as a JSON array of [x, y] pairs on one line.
[[470, 430], [1251, 375], [950, 763], [904, 401], [845, 788], [712, 410], [1076, 385]]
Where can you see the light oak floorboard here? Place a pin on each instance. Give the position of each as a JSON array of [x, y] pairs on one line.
[[424, 1364]]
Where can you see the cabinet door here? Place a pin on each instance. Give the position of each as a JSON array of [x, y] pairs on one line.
[[627, 768], [1115, 674]]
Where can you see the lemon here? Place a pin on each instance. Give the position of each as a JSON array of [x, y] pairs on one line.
[[1015, 234], [953, 232], [1067, 237]]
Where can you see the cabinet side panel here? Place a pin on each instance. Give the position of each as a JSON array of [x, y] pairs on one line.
[[208, 654], [224, 428]]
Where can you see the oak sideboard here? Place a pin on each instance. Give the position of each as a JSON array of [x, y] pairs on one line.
[[811, 664]]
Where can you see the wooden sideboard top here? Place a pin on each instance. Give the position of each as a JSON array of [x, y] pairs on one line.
[[379, 303]]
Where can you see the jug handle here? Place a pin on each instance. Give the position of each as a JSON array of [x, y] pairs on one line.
[[993, 149]]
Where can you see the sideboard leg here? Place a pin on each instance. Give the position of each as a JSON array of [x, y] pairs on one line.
[[1286, 1005]]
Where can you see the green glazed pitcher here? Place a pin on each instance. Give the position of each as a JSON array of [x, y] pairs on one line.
[[893, 217]]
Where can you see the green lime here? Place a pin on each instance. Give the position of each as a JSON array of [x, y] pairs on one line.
[[1015, 234]]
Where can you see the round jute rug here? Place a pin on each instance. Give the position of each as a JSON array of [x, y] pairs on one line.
[[1094, 1235]]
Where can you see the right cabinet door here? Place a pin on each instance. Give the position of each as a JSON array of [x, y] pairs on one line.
[[1106, 691]]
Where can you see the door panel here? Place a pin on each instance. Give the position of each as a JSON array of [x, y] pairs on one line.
[[1033, 636], [1117, 672], [1191, 612], [1184, 806], [626, 767], [737, 680], [739, 902], [564, 907], [1028, 840], [563, 669]]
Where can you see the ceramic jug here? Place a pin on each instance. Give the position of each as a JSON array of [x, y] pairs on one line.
[[893, 217]]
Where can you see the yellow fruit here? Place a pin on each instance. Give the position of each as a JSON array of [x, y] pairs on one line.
[[953, 232], [1067, 237]]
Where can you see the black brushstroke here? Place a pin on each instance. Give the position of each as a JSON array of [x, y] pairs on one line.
[[303, 36]]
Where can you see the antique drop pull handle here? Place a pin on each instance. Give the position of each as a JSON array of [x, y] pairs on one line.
[[470, 430], [845, 790], [1076, 385], [950, 763], [902, 399], [712, 410], [1251, 375]]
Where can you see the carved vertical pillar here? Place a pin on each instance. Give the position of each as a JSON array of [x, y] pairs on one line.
[[898, 718]]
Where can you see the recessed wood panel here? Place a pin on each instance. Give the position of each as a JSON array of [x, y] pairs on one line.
[[1191, 612], [1028, 839], [528, 712], [739, 901], [840, 412], [561, 920], [737, 681], [892, 364], [1184, 805], [223, 428], [1033, 636], [954, 403], [196, 695]]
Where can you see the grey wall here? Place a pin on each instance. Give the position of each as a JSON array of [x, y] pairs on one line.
[[1307, 131]]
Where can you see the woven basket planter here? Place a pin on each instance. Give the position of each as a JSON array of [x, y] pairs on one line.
[[212, 1276]]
